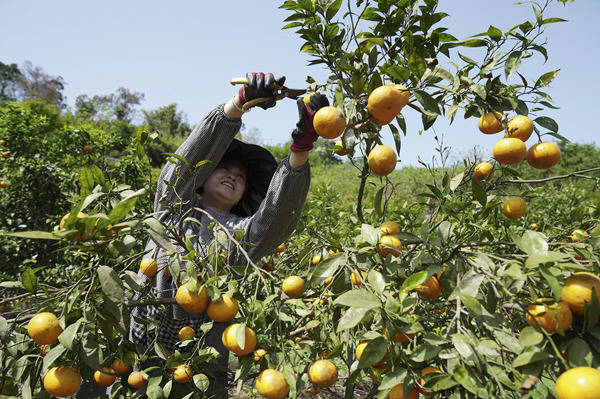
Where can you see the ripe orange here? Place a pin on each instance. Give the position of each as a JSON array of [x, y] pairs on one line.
[[136, 379], [3, 184], [322, 373], [259, 354], [342, 152], [316, 259], [579, 383], [579, 234], [87, 148], [550, 316], [382, 160], [397, 392], [271, 384], [483, 169], [329, 122], [509, 151], [148, 267], [543, 155], [389, 228], [190, 302], [430, 289], [293, 286], [62, 381], [328, 280], [229, 339], [520, 127], [389, 245], [421, 383], [514, 207], [44, 329], [183, 373], [2, 143], [308, 96], [356, 279], [577, 290], [280, 248], [223, 310], [491, 123], [186, 332], [120, 366], [106, 377], [385, 102]]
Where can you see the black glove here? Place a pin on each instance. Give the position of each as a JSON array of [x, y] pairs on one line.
[[304, 135], [260, 85]]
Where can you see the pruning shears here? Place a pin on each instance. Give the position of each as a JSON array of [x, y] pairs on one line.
[[280, 93]]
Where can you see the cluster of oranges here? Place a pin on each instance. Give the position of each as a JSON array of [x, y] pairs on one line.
[[384, 104], [511, 150]]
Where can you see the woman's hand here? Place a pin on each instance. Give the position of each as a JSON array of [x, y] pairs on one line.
[[304, 135]]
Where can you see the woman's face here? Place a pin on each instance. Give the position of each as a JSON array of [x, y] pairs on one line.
[[225, 186]]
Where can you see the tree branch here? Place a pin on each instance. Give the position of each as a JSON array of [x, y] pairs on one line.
[[572, 174]]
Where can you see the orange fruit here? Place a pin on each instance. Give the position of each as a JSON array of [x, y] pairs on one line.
[[191, 302], [579, 383], [322, 373], [514, 207], [316, 259], [389, 228], [136, 379], [271, 384], [577, 290], [549, 316], [579, 234], [421, 383], [520, 127], [223, 310], [87, 148], [186, 332], [397, 392], [120, 366], [389, 245], [308, 96], [280, 248], [382, 160], [483, 169], [3, 184], [430, 289], [385, 102], [543, 155], [328, 280], [148, 267], [342, 152], [106, 377], [509, 151], [356, 278], [293, 286], [259, 354], [229, 339], [2, 143], [329, 122], [491, 123], [62, 381], [44, 329], [183, 373]]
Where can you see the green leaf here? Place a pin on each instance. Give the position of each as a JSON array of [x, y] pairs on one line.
[[541, 258], [547, 122], [413, 281], [201, 381], [474, 43], [351, 317], [326, 268], [479, 90], [529, 357], [580, 353], [552, 20], [546, 78], [398, 73], [112, 286], [396, 135], [462, 343], [555, 286], [530, 337], [427, 101], [36, 235], [124, 207], [174, 157], [68, 335], [478, 192], [512, 63], [494, 33], [333, 9], [532, 243], [360, 298], [377, 202], [51, 356], [29, 280], [373, 353], [456, 180], [417, 65], [472, 304]]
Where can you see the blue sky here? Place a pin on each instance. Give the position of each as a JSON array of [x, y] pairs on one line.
[[185, 52]]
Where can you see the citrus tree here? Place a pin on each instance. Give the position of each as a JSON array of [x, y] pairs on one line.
[[462, 288]]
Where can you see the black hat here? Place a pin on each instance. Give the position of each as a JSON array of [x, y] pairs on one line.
[[260, 166]]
